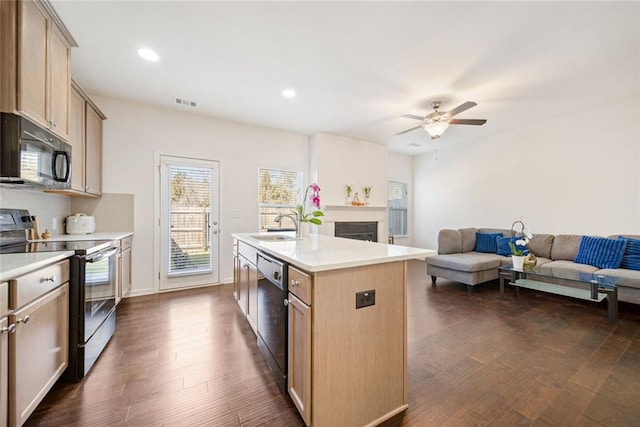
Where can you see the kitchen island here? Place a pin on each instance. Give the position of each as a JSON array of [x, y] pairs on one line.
[[347, 324]]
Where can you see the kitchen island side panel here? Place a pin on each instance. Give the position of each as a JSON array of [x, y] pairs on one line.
[[359, 355]]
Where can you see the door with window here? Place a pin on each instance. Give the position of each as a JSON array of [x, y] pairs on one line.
[[189, 212]]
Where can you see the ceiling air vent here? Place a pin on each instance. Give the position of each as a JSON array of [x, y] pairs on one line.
[[186, 102], [416, 144]]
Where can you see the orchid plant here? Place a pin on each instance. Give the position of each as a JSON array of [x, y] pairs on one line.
[[314, 202], [519, 248]]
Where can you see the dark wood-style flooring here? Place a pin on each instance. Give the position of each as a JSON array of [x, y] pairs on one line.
[[189, 358]]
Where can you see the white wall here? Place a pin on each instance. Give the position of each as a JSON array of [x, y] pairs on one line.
[[48, 208], [401, 170], [337, 161], [134, 133], [577, 174]]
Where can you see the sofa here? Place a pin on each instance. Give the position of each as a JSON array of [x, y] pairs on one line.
[[459, 261]]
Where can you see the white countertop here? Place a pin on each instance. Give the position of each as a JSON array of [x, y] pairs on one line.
[[107, 235], [14, 265], [321, 253]]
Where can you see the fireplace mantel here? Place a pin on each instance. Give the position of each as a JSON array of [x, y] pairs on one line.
[[345, 213]]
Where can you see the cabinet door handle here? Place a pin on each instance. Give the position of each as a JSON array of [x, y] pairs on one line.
[[49, 279], [24, 320], [294, 283], [10, 329]]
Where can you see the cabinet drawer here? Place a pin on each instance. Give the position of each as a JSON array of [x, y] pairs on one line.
[[27, 288], [126, 243], [4, 299], [249, 252], [300, 284]]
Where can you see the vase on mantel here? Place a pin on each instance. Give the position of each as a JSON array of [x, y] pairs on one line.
[[517, 261]]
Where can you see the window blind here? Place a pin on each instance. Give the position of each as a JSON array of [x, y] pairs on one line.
[[398, 208], [189, 210], [279, 191]]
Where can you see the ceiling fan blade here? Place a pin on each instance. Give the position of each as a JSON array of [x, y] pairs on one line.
[[412, 116], [408, 130], [476, 122], [462, 107]]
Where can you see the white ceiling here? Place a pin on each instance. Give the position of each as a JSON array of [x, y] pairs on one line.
[[358, 66]]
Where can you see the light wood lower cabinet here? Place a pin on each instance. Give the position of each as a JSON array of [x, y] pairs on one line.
[[252, 309], [248, 291], [123, 275], [243, 284], [125, 271], [299, 375], [4, 369], [126, 248], [5, 330], [38, 351], [347, 365]]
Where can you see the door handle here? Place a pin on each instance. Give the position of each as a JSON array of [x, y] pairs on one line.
[[10, 329]]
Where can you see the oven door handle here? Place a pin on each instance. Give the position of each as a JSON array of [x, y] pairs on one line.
[[101, 255]]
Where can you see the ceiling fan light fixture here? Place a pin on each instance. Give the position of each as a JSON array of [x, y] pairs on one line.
[[436, 129], [148, 54]]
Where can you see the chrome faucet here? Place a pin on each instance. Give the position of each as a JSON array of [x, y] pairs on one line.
[[296, 221]]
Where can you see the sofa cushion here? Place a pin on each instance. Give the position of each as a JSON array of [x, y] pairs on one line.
[[487, 242], [503, 245], [631, 257], [601, 252], [558, 266], [540, 245], [468, 239], [629, 278], [565, 247], [469, 261], [449, 242]]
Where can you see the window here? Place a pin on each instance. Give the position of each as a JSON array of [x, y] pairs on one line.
[[398, 207], [279, 191]]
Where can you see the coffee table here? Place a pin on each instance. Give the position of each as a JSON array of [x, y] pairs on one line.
[[559, 281]]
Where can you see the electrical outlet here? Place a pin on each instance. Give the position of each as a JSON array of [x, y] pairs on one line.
[[235, 213], [54, 224], [365, 298]]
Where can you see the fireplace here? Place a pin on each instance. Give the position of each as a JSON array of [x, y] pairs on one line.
[[358, 230]]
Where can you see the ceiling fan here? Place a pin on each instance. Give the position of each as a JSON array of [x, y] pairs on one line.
[[438, 121]]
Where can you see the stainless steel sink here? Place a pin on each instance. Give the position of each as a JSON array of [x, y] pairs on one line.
[[272, 237]]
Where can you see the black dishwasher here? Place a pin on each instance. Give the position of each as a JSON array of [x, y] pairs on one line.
[[272, 316]]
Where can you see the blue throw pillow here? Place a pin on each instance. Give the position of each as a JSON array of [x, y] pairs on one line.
[[601, 252], [503, 245], [486, 242], [631, 257]]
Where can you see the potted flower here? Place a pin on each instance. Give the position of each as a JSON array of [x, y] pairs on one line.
[[367, 194], [304, 217], [519, 247], [349, 189]]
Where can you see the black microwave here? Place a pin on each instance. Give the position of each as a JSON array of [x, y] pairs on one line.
[[32, 156]]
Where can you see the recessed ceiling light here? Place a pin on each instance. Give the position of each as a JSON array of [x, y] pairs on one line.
[[148, 54], [289, 93]]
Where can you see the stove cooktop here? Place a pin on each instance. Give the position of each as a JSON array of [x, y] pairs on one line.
[[81, 247]]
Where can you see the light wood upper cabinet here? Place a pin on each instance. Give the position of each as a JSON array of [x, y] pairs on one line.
[[59, 82], [76, 139], [32, 62], [93, 154], [85, 137], [36, 62]]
